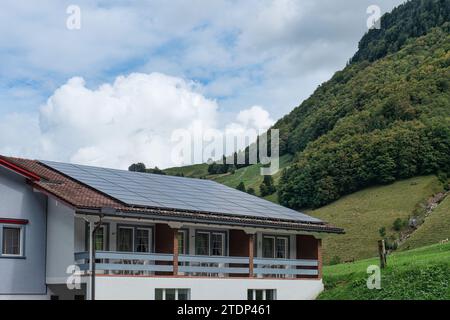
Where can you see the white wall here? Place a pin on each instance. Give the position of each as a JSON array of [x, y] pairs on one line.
[[60, 241], [129, 288], [24, 297]]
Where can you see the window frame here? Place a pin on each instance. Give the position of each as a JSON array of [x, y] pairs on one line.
[[210, 232], [21, 228], [275, 238], [185, 235], [264, 294], [151, 237], [163, 297], [106, 229]]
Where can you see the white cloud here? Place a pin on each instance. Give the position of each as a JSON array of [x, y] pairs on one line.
[[272, 53], [114, 125], [255, 117]]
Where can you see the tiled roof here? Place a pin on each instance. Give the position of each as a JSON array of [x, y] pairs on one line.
[[82, 197], [66, 189]]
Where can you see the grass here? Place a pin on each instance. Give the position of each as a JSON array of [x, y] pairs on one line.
[[251, 175], [422, 273], [435, 228], [193, 171], [363, 213]]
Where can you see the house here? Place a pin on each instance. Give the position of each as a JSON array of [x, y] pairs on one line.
[[79, 232]]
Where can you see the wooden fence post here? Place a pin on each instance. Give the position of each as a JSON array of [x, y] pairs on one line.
[[382, 253]]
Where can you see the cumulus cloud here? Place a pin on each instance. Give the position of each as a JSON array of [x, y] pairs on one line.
[[132, 119], [255, 117], [270, 53]]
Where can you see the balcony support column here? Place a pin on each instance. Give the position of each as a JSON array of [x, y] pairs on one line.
[[251, 250], [319, 258], [175, 252]]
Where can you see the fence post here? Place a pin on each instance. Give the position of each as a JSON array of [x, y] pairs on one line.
[[382, 253]]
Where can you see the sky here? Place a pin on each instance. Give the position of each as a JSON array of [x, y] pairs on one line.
[[111, 87]]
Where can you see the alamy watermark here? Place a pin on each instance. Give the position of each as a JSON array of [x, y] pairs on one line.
[[73, 281], [374, 280], [374, 19], [200, 146], [73, 21]]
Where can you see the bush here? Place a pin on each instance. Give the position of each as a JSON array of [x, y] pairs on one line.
[[241, 186], [382, 232], [398, 224]]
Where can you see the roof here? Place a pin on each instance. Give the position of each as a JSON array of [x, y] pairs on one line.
[[147, 190], [86, 189]]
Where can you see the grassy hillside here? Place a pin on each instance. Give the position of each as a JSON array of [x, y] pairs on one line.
[[192, 171], [250, 175], [435, 228], [423, 273], [363, 213]]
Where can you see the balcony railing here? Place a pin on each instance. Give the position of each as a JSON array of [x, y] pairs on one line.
[[154, 264]]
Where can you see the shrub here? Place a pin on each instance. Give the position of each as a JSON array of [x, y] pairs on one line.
[[241, 186], [398, 224]]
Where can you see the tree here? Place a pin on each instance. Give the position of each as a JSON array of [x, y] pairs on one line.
[[267, 187], [137, 167], [241, 186], [251, 191]]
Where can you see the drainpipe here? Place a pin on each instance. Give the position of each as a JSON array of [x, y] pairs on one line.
[[97, 226]]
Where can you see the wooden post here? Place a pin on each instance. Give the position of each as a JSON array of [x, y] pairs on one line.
[[382, 254], [251, 246], [175, 252], [319, 258]]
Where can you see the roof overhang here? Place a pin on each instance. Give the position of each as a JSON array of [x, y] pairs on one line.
[[25, 173], [211, 219]]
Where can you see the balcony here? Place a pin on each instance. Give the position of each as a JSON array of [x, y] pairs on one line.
[[160, 265]]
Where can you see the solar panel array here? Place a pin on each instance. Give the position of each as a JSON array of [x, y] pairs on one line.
[[161, 191]]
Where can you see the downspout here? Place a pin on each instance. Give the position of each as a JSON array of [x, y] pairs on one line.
[[97, 225]]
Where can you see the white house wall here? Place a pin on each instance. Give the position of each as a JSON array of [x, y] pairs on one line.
[[129, 288]]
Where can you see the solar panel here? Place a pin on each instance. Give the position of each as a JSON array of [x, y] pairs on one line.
[[169, 192]]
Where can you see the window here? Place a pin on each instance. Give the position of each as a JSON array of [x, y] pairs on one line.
[[142, 240], [217, 244], [101, 241], [275, 247], [172, 294], [125, 239], [210, 243], [11, 240], [134, 239], [261, 294], [202, 244], [182, 237]]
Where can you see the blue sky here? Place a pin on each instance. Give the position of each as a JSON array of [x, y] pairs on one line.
[[234, 54]]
